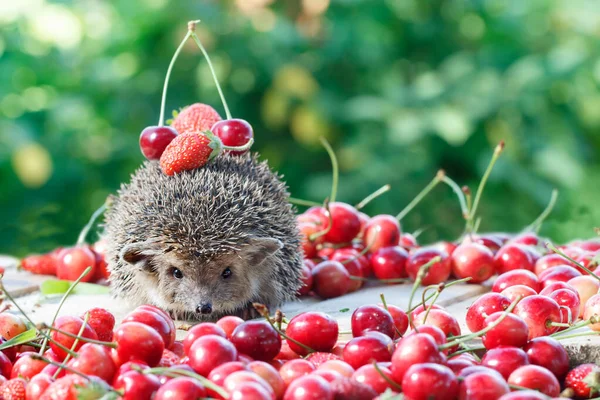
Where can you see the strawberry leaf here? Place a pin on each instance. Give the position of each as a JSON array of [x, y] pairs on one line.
[[57, 286], [25, 337]]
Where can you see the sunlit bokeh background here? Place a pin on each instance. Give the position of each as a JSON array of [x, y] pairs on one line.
[[401, 88]]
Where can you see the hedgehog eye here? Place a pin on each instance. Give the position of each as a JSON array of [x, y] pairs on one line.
[[226, 273], [197, 253], [177, 273]]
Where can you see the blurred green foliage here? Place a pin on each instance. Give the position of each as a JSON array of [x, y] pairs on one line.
[[400, 87]]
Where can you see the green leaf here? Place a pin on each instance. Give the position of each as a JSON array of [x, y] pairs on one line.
[[57, 286], [21, 338], [344, 310]]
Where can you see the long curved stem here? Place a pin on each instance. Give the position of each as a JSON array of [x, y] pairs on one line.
[[86, 229], [334, 168], [212, 71], [563, 255], [372, 196], [434, 182], [459, 193], [536, 225]]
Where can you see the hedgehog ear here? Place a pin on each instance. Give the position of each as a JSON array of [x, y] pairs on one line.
[[140, 255], [259, 248]]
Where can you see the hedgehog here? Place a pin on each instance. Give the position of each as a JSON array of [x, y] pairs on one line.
[[204, 243]]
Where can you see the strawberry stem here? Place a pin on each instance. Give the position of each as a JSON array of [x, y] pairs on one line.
[[373, 196], [192, 27], [334, 167], [537, 223], [434, 182], [168, 75], [86, 229]]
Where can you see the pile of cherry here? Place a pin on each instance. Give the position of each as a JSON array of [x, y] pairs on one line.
[[513, 352]]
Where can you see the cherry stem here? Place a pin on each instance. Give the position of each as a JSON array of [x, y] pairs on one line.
[[437, 293], [558, 324], [563, 255], [420, 231], [488, 171], [373, 196], [537, 223], [75, 343], [386, 378], [592, 320], [334, 168], [434, 182], [192, 27], [325, 231], [243, 147], [484, 330], [517, 387], [37, 357], [476, 226], [385, 306], [391, 280], [420, 275], [86, 229], [466, 350], [62, 301], [365, 250], [459, 193], [302, 202], [175, 372], [112, 345], [576, 335], [168, 75], [264, 312], [456, 282]]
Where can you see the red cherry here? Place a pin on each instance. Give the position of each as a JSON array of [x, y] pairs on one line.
[[511, 331], [438, 272], [440, 318], [483, 386], [586, 286], [270, 375], [548, 261], [294, 369], [539, 312], [309, 247], [26, 367], [491, 242], [94, 359], [372, 318], [228, 324], [257, 339], [381, 231], [537, 378], [352, 265], [484, 306], [408, 241], [5, 366], [457, 363], [137, 386], [473, 260], [419, 309], [363, 350], [236, 378], [72, 325], [73, 261], [568, 301], [330, 279], [182, 388], [548, 353], [233, 132], [528, 238], [210, 351], [201, 329], [345, 223], [389, 263], [218, 374], [368, 375], [436, 333], [154, 140], [524, 395], [515, 292], [505, 359], [516, 277], [591, 308], [559, 273], [400, 319], [339, 366], [302, 329], [414, 349], [37, 386], [310, 387], [515, 256], [136, 341], [307, 280], [250, 391], [429, 381], [156, 321]]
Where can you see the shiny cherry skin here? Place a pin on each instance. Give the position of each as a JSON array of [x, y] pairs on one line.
[[592, 308], [517, 292], [228, 324], [94, 359], [440, 318], [270, 375], [586, 287], [137, 386], [209, 351], [484, 306], [419, 309], [546, 291], [429, 381], [156, 321], [511, 331], [345, 223], [539, 312], [37, 386], [330, 279], [436, 333], [307, 281], [516, 277], [257, 339], [515, 256], [414, 349], [236, 378], [381, 231], [400, 319], [352, 265], [569, 304], [527, 238], [408, 241], [373, 347], [201, 329], [524, 395], [73, 261], [250, 391], [438, 272], [137, 341], [26, 367], [548, 261], [294, 369], [389, 263], [483, 386], [368, 375], [473, 260], [233, 132], [218, 374], [303, 328], [182, 388], [559, 273], [548, 353], [537, 378], [72, 325], [154, 140], [310, 387], [339, 366], [505, 359], [372, 318]]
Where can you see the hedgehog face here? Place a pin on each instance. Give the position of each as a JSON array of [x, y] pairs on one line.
[[189, 282]]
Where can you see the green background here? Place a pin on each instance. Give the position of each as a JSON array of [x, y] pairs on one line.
[[401, 88]]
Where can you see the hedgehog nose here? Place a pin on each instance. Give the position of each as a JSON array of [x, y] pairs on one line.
[[204, 308]]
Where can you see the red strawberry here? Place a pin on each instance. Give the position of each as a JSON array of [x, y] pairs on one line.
[[188, 151], [196, 118], [169, 359], [13, 389], [101, 321], [44, 264], [349, 389], [319, 358], [584, 380]]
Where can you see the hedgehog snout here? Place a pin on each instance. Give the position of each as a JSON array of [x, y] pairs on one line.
[[205, 308]]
